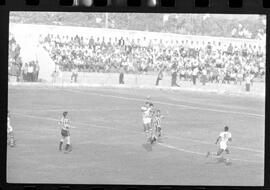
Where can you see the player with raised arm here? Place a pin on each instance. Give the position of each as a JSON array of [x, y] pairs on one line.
[[65, 132], [10, 132], [224, 138]]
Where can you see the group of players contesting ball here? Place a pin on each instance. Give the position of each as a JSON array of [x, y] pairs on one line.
[[152, 128]]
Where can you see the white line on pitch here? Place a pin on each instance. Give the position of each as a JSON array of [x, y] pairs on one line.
[[52, 119], [170, 104], [99, 126], [180, 138], [73, 110], [204, 142], [199, 153]]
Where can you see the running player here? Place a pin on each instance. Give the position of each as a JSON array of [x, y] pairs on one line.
[[65, 133], [224, 138], [10, 133]]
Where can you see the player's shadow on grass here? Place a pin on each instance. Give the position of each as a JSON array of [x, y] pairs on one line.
[[220, 161], [147, 147]]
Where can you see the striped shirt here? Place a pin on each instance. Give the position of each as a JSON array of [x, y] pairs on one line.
[[65, 122], [158, 120]]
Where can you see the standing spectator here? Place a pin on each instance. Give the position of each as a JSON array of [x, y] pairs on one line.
[[252, 76], [37, 71], [34, 71], [240, 77], [233, 77], [160, 76], [25, 71], [248, 81], [204, 76], [29, 72], [183, 74], [194, 75], [121, 76], [74, 75], [174, 76], [54, 76]]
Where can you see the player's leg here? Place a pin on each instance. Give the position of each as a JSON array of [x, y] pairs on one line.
[[227, 151], [159, 131], [144, 127], [68, 146], [148, 133], [219, 152], [153, 135], [227, 160], [61, 143], [214, 154]]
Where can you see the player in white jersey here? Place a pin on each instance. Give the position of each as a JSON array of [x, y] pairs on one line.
[[224, 138], [146, 116], [10, 132], [65, 133]]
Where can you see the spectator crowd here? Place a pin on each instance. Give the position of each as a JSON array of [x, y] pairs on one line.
[[214, 61], [27, 71]]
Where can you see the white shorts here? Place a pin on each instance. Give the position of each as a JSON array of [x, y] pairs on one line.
[[67, 138], [146, 120], [223, 145], [10, 129]]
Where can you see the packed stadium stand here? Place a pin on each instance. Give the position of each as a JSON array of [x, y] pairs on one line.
[[220, 63], [216, 61]]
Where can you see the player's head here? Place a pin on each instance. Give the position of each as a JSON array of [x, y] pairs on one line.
[[158, 112], [226, 128], [151, 105], [65, 113]]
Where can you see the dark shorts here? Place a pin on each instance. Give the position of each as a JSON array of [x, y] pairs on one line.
[[65, 133], [221, 150]]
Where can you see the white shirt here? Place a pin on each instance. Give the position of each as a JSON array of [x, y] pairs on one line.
[[146, 113], [248, 79], [9, 129], [30, 69], [195, 71], [8, 121], [225, 136], [204, 72]]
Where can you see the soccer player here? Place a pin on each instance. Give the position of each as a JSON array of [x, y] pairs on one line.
[[158, 118], [146, 116], [224, 138], [152, 129], [65, 133], [10, 133]]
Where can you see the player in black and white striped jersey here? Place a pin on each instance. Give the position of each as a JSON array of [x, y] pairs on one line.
[[65, 132], [158, 118]]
